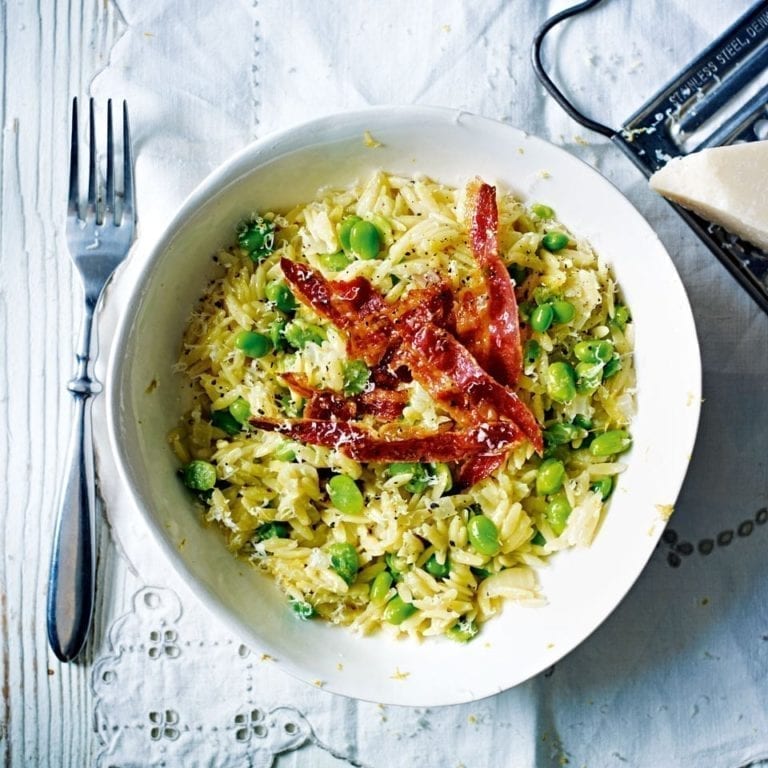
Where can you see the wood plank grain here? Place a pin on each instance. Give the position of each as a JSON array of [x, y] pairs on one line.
[[49, 52], [5, 662]]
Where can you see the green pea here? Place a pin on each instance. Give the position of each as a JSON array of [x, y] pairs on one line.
[[588, 376], [251, 239], [550, 476], [612, 442], [303, 609], [226, 422], [553, 452], [593, 351], [299, 335], [542, 211], [253, 344], [335, 262], [483, 535], [344, 561], [281, 296], [345, 495], [345, 229], [397, 610], [277, 333], [561, 382], [603, 486], [555, 241], [286, 452], [365, 239], [612, 367], [463, 630], [384, 226], [557, 513], [380, 587], [563, 311], [582, 422], [538, 540], [356, 375], [257, 236], [199, 475], [437, 569], [531, 352], [421, 474], [401, 468], [313, 334], [562, 433], [621, 316], [275, 529], [542, 317], [394, 566], [240, 410]]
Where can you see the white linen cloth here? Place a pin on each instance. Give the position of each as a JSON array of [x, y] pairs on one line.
[[677, 675]]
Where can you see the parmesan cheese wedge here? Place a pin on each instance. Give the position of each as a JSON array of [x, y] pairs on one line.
[[725, 185]]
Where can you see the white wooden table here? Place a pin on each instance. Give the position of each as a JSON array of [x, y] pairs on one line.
[[51, 51]]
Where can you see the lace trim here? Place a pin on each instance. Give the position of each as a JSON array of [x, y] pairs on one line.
[[157, 703]]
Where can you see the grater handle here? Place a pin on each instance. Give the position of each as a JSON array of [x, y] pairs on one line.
[[546, 80]]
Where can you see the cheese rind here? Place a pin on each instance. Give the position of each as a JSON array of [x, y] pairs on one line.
[[725, 185]]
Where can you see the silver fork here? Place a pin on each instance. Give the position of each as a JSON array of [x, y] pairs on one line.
[[97, 242]]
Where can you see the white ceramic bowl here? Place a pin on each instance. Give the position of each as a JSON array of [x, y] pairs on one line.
[[582, 587]]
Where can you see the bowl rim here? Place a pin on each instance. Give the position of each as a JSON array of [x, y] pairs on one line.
[[228, 172]]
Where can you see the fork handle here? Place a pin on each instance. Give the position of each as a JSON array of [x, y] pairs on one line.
[[72, 575]]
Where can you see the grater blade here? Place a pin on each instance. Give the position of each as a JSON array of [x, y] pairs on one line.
[[719, 98]]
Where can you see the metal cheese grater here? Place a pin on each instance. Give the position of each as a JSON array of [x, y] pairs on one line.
[[720, 98]]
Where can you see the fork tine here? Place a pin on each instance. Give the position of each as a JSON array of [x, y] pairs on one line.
[[128, 191], [92, 164], [109, 208], [74, 178]]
